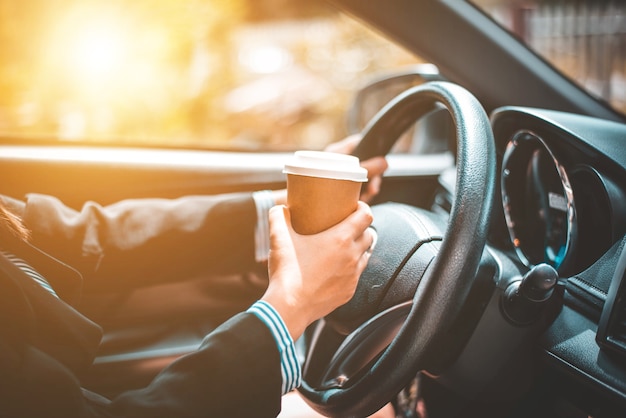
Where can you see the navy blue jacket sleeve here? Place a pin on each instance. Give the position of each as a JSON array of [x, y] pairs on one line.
[[236, 373]]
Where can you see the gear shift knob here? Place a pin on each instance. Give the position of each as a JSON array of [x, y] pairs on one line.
[[523, 300], [538, 284]]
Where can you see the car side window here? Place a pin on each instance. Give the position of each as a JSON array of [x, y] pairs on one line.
[[215, 74]]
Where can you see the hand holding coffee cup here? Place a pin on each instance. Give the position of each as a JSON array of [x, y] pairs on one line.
[[322, 189]]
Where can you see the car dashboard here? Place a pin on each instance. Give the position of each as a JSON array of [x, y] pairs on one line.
[[562, 201]]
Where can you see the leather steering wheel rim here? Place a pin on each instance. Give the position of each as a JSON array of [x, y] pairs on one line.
[[447, 281]]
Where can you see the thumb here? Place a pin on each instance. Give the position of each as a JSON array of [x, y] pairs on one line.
[[280, 223]]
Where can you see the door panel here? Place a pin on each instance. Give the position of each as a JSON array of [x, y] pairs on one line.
[[106, 175]]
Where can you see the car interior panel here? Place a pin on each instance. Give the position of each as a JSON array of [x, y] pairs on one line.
[[497, 286]]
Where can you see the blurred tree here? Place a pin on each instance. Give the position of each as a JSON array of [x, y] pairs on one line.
[[160, 71], [54, 56]]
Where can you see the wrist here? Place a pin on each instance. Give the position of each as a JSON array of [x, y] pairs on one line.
[[294, 317], [289, 365]]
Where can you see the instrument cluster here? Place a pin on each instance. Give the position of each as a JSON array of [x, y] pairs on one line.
[[562, 197]]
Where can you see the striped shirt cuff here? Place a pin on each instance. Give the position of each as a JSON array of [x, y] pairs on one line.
[[290, 368], [30, 271], [264, 200]]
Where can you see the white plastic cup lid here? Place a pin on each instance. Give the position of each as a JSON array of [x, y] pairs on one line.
[[328, 165]]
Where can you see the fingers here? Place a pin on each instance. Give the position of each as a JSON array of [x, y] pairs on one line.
[[358, 227], [375, 166], [277, 217], [354, 225], [366, 243], [346, 145], [280, 221], [374, 239], [371, 189]]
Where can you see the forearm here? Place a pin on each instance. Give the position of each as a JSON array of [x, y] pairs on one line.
[[236, 372], [147, 239]]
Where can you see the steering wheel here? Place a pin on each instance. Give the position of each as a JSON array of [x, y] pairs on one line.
[[419, 274]]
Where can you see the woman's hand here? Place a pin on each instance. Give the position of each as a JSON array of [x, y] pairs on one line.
[[311, 275]]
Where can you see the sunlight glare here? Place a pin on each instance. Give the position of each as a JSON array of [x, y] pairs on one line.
[[265, 59], [99, 52]]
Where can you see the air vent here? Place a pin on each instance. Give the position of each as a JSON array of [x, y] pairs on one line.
[[612, 327]]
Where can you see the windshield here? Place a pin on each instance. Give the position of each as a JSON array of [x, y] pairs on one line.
[[584, 39], [253, 74]]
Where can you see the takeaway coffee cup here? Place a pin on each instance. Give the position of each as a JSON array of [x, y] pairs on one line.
[[322, 189]]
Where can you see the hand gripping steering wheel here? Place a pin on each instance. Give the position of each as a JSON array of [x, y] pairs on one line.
[[419, 274]]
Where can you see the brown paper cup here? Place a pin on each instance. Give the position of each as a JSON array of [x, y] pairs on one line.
[[322, 189]]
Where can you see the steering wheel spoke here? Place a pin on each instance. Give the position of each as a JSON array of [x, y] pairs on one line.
[[364, 345]]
